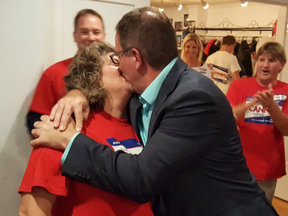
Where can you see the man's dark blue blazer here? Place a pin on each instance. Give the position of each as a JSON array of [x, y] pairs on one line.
[[193, 163]]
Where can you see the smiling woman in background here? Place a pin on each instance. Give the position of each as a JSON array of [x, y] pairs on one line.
[[192, 52]]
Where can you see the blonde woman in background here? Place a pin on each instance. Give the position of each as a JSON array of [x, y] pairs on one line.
[[192, 52]]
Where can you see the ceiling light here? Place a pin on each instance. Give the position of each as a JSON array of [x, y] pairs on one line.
[[205, 4], [244, 3], [161, 9], [179, 6]]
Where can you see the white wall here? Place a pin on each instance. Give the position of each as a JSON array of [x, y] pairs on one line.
[[177, 16], [35, 34], [21, 58], [262, 14]]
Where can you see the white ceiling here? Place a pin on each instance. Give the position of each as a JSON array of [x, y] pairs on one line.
[[172, 3]]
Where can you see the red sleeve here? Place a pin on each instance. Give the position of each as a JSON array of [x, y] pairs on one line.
[[44, 170]]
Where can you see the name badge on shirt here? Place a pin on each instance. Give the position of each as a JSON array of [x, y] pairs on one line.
[[258, 114], [129, 146]]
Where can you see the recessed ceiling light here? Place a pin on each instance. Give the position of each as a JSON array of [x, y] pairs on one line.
[[244, 3]]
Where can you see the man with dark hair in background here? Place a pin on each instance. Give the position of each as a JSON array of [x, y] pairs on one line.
[[225, 64], [192, 161], [88, 28]]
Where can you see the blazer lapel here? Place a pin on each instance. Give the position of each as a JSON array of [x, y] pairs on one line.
[[135, 108], [167, 87]]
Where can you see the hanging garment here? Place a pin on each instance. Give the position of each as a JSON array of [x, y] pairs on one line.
[[244, 57]]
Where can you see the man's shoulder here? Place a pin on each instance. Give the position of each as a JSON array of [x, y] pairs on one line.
[[281, 87], [61, 64], [233, 57], [193, 81], [211, 56], [186, 79], [281, 83], [218, 54], [226, 54], [60, 67], [246, 82]]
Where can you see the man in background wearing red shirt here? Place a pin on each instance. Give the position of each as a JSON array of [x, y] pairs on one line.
[[88, 28], [260, 105]]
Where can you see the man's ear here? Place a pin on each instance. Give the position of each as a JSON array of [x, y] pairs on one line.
[[138, 58]]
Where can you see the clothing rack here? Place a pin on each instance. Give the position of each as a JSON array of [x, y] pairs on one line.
[[226, 25], [260, 29], [238, 38]]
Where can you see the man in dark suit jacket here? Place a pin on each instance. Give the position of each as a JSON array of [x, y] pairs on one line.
[[192, 162]]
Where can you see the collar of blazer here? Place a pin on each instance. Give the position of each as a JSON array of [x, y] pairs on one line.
[[134, 108], [167, 88]]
